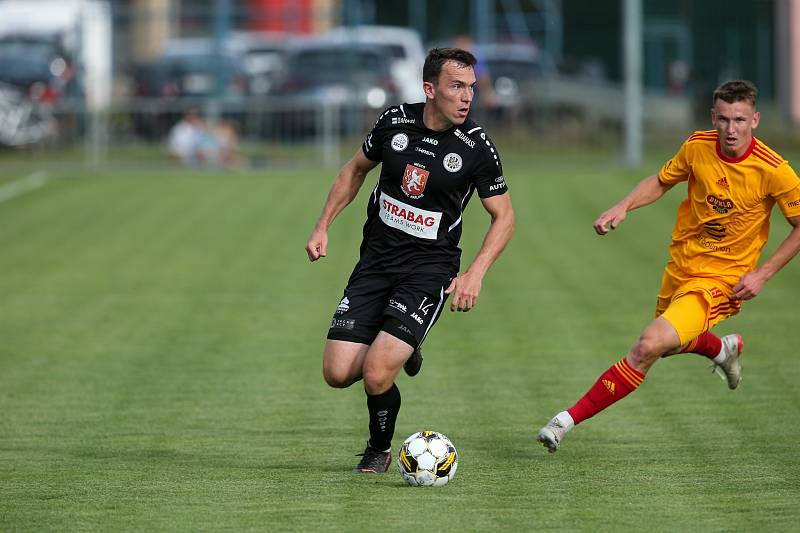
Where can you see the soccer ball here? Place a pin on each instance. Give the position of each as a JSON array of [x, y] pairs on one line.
[[427, 458]]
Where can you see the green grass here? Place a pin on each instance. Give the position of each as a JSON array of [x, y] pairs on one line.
[[160, 348]]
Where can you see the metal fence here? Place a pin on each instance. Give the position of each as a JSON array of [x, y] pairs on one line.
[[565, 98]]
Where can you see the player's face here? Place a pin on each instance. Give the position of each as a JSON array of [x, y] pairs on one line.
[[735, 124], [451, 95]]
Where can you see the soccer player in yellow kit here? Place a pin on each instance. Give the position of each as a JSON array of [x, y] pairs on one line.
[[733, 181]]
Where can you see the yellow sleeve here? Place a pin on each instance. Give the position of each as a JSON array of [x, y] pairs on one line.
[[785, 189], [676, 169]]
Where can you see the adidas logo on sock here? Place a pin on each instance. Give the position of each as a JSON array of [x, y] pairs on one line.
[[610, 385]]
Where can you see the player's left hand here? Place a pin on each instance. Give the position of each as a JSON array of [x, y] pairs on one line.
[[465, 290], [749, 286]]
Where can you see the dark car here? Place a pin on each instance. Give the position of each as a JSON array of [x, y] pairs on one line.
[[191, 68], [186, 77], [38, 66], [263, 55], [355, 79], [513, 68]]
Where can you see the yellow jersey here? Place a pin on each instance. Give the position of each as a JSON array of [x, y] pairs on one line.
[[723, 223]]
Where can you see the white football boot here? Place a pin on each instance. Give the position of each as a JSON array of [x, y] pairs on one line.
[[551, 434], [730, 369]]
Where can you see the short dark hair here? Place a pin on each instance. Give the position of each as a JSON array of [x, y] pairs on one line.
[[736, 91], [439, 56]]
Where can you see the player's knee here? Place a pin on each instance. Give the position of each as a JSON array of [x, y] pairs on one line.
[[337, 378], [377, 380], [646, 350]]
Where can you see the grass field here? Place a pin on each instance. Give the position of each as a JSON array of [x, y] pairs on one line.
[[160, 347]]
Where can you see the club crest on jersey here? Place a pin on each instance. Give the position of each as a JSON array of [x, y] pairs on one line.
[[399, 142], [414, 181], [720, 205], [452, 162]]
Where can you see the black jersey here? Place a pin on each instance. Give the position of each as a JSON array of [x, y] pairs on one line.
[[427, 178]]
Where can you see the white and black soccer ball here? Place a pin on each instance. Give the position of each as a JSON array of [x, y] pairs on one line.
[[427, 458]]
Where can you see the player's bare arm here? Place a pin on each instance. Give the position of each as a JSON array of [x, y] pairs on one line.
[[344, 189], [750, 284], [646, 192], [466, 287]]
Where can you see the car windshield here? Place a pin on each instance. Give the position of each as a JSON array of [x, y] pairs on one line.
[[337, 64], [513, 68], [26, 48], [23, 69], [196, 63]]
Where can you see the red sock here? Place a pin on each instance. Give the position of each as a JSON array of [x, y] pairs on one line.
[[616, 383], [706, 344]]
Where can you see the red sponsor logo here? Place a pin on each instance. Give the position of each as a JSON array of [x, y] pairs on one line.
[[407, 214], [414, 180]]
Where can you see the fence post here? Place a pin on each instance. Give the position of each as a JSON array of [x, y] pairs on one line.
[[632, 45]]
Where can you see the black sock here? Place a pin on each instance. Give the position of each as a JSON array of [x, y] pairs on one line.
[[383, 409]]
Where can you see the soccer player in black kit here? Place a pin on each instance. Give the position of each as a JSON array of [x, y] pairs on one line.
[[433, 159]]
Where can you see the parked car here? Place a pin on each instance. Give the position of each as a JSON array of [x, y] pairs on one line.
[[189, 68], [185, 77], [321, 74], [37, 65], [263, 56], [402, 48], [514, 69]]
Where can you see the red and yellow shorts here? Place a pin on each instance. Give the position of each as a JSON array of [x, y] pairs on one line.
[[694, 305]]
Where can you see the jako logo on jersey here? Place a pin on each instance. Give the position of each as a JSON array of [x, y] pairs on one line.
[[414, 180], [399, 142], [452, 162], [463, 136], [720, 205], [409, 219], [430, 141]]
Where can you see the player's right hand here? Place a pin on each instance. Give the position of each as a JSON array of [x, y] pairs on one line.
[[317, 245], [609, 220]]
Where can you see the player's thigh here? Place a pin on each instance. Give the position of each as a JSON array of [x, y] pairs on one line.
[[343, 361], [694, 305], [415, 305], [688, 314]]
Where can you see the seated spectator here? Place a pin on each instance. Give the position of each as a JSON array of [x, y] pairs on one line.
[[227, 137], [191, 142]]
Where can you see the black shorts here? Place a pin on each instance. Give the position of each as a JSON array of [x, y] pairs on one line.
[[372, 301]]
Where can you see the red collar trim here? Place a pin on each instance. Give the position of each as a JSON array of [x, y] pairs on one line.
[[739, 159]]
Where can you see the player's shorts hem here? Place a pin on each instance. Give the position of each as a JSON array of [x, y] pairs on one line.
[[350, 337], [693, 305], [399, 330]]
